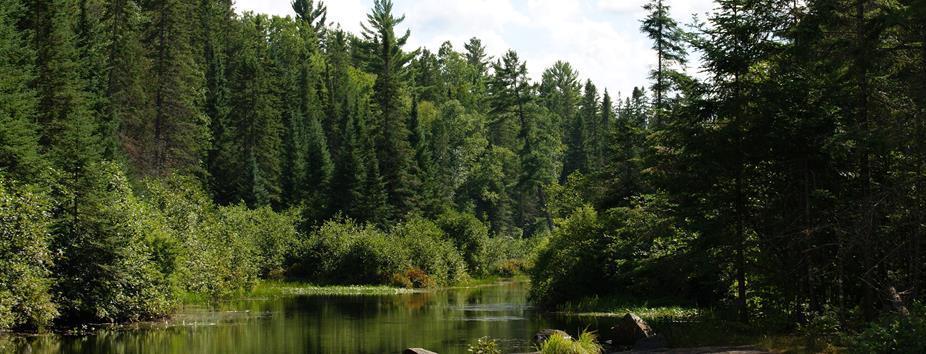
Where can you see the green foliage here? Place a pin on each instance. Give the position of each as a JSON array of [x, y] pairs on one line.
[[470, 238], [271, 235], [413, 254], [587, 343], [632, 250], [569, 263], [432, 251], [892, 334], [216, 259], [117, 253], [25, 259], [19, 149], [484, 345]]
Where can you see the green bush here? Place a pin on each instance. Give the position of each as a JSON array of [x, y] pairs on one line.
[[430, 251], [117, 254], [569, 264], [216, 259], [271, 234], [414, 254], [25, 260], [631, 250], [508, 256], [343, 252], [470, 237], [893, 334]]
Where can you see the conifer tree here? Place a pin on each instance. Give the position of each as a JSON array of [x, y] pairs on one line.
[[385, 58], [19, 149], [255, 115], [312, 14], [179, 137], [668, 42]]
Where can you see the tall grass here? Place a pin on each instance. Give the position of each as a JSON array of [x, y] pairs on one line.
[[587, 343]]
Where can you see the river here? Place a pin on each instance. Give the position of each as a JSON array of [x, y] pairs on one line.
[[445, 321]]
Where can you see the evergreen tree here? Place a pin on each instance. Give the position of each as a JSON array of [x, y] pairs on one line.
[[668, 42], [312, 14], [385, 58], [179, 137], [19, 149], [256, 118], [216, 23]]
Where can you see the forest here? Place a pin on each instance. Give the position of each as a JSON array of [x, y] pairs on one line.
[[156, 150]]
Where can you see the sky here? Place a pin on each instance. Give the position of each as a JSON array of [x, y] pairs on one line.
[[600, 38]]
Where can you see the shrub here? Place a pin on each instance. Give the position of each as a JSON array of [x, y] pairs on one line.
[[343, 252], [569, 264], [25, 300], [118, 255], [508, 256], [633, 250], [469, 236], [892, 334], [215, 258], [430, 251], [271, 235]]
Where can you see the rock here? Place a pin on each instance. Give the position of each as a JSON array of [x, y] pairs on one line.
[[656, 341], [417, 351], [629, 330], [545, 334]]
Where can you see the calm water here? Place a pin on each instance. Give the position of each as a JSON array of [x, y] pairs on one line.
[[445, 321]]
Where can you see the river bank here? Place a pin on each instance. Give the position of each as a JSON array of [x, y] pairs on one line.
[[284, 317]]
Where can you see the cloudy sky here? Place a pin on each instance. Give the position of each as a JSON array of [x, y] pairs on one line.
[[600, 38]]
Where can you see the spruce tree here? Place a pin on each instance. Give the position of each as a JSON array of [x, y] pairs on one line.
[[19, 149], [255, 116], [669, 44], [179, 136]]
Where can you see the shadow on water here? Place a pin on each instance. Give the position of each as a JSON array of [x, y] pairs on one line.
[[445, 321]]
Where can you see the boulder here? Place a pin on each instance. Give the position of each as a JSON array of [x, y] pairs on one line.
[[630, 329], [653, 342], [545, 334], [417, 351]]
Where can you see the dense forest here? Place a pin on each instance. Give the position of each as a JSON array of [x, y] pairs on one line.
[[153, 149]]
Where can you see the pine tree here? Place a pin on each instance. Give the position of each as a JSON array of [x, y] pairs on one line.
[[668, 42], [216, 23], [560, 92], [386, 59], [180, 133], [309, 13], [508, 92], [19, 149], [127, 107], [255, 116]]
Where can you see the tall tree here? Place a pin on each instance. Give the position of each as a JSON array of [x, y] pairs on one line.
[[385, 58], [180, 131], [669, 44], [19, 149], [255, 116], [312, 14]]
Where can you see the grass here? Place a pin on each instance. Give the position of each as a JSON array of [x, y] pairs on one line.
[[587, 343], [277, 288], [280, 288], [618, 307], [688, 326]]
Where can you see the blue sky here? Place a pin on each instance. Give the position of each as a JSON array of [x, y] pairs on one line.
[[600, 38]]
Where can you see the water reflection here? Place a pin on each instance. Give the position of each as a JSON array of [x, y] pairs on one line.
[[445, 321]]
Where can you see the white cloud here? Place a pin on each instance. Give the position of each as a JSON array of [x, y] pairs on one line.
[[600, 38]]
